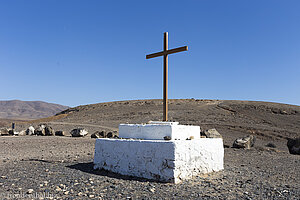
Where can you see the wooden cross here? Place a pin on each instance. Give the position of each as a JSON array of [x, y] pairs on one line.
[[165, 53]]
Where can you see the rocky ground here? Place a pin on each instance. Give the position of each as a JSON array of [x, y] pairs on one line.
[[61, 167]]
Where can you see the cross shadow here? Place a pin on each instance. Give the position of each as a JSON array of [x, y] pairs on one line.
[[89, 168]]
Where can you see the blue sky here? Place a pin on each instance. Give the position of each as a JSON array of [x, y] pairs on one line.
[[74, 52]]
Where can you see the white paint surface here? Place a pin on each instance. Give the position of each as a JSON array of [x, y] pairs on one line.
[[167, 161], [158, 130]]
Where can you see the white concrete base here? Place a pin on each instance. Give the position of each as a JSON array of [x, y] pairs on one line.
[[158, 130], [166, 161]]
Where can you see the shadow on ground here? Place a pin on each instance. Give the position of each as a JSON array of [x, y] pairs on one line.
[[89, 168]]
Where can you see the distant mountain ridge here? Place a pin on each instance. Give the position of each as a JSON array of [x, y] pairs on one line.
[[16, 109]]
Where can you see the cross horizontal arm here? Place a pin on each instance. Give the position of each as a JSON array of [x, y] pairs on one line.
[[176, 50]]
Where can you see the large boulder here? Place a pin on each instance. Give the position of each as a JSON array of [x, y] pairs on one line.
[[40, 130], [48, 131], [79, 132], [30, 130], [294, 146], [99, 134], [59, 133], [112, 134], [244, 142], [212, 133], [4, 131], [11, 132], [22, 133]]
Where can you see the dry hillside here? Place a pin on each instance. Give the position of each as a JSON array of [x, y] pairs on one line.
[[267, 121], [16, 109]]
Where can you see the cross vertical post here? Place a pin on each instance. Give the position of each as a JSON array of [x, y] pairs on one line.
[[165, 53], [165, 95]]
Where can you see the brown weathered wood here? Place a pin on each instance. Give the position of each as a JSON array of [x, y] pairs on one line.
[[162, 53], [165, 92], [165, 53]]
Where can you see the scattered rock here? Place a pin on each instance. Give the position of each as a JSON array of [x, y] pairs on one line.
[[44, 130], [113, 134], [40, 130], [245, 142], [4, 131], [167, 138], [110, 134], [270, 144], [48, 131], [212, 133], [99, 134], [30, 130], [11, 132], [59, 133], [58, 189], [30, 191], [79, 132], [294, 146], [22, 133]]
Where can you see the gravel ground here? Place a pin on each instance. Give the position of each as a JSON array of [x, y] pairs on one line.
[[62, 168]]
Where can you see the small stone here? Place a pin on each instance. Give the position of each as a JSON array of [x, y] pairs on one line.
[[59, 133], [30, 191], [152, 190], [167, 138], [66, 192], [245, 142], [79, 194], [4, 177], [98, 134], [91, 196], [270, 144], [110, 134], [294, 146], [46, 170], [212, 133], [49, 131], [30, 131], [58, 189], [79, 132]]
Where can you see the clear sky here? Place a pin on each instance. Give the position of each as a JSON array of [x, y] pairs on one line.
[[75, 52]]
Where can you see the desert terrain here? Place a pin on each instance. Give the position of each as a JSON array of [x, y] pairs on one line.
[[61, 167]]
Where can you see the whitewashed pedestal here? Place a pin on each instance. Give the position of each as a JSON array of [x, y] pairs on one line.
[[148, 155]]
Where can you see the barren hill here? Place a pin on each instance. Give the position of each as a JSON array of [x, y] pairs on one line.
[[268, 121], [16, 109]]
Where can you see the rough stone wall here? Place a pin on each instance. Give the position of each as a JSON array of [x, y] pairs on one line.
[[166, 161], [194, 157]]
